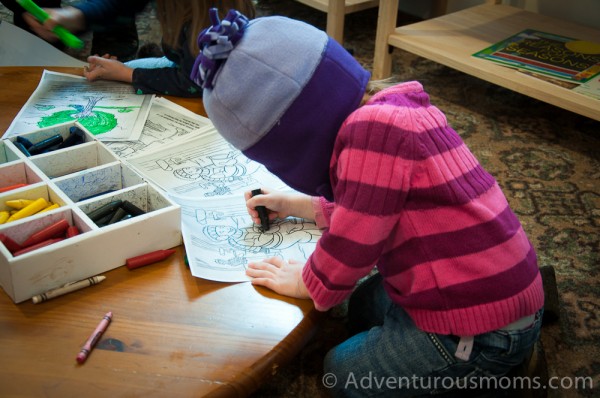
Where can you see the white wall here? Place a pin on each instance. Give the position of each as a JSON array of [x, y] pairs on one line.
[[585, 12]]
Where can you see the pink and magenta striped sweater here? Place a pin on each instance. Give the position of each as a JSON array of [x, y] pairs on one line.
[[411, 199]]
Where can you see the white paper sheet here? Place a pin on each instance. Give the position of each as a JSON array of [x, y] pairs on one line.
[[167, 123], [221, 239], [109, 110], [203, 165]]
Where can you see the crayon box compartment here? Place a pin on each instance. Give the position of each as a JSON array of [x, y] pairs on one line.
[[70, 178]]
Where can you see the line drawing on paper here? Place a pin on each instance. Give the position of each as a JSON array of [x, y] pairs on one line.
[[167, 122], [221, 239], [204, 165]]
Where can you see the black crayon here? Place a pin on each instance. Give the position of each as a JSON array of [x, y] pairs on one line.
[[102, 211], [132, 209], [262, 212], [76, 137]]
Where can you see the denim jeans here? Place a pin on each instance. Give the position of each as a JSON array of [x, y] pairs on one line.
[[388, 356]]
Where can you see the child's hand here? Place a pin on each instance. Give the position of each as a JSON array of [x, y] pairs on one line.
[[70, 18], [107, 68], [279, 205], [281, 276]]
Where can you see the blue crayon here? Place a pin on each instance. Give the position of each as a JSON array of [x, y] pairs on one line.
[[22, 140], [38, 147], [22, 148]]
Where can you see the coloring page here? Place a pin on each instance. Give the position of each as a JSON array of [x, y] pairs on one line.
[[167, 123], [109, 110], [204, 165], [220, 238]]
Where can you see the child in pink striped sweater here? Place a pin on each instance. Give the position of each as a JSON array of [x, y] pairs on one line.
[[458, 293]]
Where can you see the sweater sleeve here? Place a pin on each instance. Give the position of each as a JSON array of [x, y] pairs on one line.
[[370, 185], [323, 209], [174, 81], [167, 81]]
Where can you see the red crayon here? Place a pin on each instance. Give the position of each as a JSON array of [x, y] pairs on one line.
[[148, 258], [10, 244], [52, 231], [11, 187], [72, 231], [37, 246]]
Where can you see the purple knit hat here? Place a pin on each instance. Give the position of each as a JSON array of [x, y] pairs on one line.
[[279, 90]]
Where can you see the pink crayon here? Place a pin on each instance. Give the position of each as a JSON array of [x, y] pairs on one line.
[[93, 339]]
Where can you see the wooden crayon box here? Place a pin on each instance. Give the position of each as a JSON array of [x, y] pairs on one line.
[[80, 179]]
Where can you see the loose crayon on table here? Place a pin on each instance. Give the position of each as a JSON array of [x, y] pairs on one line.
[[9, 243], [262, 212], [38, 147], [72, 231], [24, 141], [22, 148], [132, 209], [55, 230], [11, 187], [18, 203], [45, 243], [68, 38], [29, 210], [68, 288], [93, 339], [148, 258], [4, 216], [102, 211]]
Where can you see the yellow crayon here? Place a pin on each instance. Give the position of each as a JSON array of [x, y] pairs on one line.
[[51, 206], [29, 210], [18, 203], [4, 216]]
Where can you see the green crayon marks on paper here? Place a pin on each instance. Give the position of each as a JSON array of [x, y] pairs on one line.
[[96, 121]]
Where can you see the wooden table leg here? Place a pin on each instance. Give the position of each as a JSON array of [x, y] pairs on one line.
[[336, 12], [386, 24]]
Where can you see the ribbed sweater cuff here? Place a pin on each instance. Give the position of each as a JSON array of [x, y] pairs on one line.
[[323, 298]]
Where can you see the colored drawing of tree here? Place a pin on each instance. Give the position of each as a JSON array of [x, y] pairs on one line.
[[94, 120]]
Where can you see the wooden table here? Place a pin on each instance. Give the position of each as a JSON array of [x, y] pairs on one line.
[[172, 335]]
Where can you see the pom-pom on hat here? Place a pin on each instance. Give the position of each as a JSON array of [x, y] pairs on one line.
[[279, 90]]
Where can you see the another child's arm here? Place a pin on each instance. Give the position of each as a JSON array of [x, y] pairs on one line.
[[107, 68]]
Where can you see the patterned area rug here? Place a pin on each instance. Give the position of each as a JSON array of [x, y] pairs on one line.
[[546, 159]]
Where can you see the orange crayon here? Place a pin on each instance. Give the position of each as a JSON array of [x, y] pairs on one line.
[[11, 187]]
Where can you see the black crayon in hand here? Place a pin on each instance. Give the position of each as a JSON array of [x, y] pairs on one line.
[[262, 212]]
